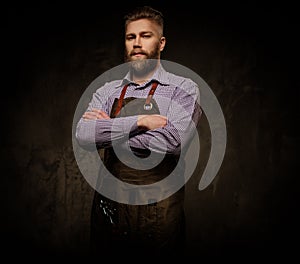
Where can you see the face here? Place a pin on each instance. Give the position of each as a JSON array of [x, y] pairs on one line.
[[143, 40]]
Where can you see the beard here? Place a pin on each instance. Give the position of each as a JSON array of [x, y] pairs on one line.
[[140, 67]]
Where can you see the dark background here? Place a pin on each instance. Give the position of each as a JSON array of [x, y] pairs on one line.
[[247, 52]]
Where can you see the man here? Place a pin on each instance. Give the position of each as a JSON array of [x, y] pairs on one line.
[[151, 113]]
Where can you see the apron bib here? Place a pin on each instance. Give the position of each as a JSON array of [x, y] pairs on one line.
[[157, 226]]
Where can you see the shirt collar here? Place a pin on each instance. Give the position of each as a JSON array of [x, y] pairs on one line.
[[159, 75]]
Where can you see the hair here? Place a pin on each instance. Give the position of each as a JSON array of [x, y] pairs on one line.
[[145, 12]]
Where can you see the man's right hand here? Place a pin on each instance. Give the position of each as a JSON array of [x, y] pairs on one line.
[[151, 122], [95, 114]]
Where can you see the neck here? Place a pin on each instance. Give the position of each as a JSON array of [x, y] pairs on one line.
[[142, 78], [140, 81]]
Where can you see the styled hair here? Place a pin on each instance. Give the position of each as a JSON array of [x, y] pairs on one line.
[[145, 12]]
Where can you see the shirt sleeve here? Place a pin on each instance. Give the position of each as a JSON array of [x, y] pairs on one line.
[[183, 116], [103, 131]]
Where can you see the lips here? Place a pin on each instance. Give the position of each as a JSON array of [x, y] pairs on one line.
[[138, 54]]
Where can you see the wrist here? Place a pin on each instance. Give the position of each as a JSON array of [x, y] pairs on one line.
[[141, 122]]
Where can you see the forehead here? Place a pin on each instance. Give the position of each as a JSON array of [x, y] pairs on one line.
[[142, 25]]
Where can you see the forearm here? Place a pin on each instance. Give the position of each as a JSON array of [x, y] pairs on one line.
[[160, 140], [103, 131], [170, 139]]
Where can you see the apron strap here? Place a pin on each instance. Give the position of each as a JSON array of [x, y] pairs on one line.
[[120, 101], [147, 105]]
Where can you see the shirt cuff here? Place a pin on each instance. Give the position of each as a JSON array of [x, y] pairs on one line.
[[123, 126], [130, 124]]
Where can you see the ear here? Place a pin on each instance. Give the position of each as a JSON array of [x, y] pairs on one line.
[[162, 43]]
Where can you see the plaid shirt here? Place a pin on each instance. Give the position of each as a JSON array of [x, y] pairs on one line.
[[177, 98]]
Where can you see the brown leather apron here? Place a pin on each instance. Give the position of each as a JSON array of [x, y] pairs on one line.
[[158, 227]]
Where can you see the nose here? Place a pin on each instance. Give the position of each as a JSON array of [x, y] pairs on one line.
[[137, 42]]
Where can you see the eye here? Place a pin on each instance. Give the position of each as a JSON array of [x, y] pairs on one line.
[[146, 36], [130, 37]]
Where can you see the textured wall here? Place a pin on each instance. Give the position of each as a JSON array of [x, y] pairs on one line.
[[52, 54]]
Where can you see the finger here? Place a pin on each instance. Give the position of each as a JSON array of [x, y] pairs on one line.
[[160, 116], [97, 110], [89, 115], [94, 115], [101, 114], [104, 115]]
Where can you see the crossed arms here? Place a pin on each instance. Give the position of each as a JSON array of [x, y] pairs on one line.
[[170, 131]]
